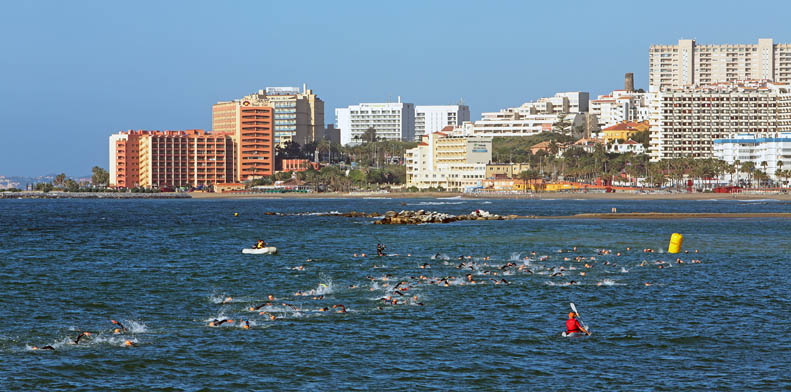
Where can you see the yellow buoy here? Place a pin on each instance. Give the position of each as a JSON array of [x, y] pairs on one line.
[[235, 214], [675, 243]]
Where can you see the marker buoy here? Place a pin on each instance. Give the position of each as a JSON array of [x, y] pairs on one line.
[[235, 214], [675, 243]]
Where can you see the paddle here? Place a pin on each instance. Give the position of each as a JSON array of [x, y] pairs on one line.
[[584, 327]]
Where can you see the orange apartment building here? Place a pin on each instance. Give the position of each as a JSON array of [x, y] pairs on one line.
[[252, 130], [240, 148], [171, 158]]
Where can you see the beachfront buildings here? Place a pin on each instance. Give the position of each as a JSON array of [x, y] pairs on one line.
[[251, 125], [688, 64], [152, 159], [685, 122], [390, 120], [623, 130], [451, 162], [564, 112], [619, 106], [298, 115], [768, 151], [430, 119]]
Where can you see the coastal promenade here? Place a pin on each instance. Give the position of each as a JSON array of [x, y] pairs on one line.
[[91, 195]]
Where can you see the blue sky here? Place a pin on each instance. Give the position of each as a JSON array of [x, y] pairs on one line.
[[72, 73]]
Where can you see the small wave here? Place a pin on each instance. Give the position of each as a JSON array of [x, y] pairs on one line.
[[449, 198], [436, 203], [610, 282], [624, 270]]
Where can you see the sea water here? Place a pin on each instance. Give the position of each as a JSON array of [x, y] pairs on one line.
[[165, 269]]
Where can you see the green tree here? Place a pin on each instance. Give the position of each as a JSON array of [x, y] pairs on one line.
[[71, 185], [561, 125], [59, 179], [99, 176], [369, 136]]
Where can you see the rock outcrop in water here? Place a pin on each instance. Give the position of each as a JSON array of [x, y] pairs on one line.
[[422, 216]]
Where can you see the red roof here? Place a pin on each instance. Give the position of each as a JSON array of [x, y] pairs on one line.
[[448, 128]]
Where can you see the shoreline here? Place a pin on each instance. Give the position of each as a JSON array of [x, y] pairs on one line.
[[469, 196], [400, 195]]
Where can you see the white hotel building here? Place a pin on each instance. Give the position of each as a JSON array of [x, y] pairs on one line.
[[620, 106], [532, 118], [430, 119], [451, 162], [392, 121], [756, 148], [685, 122]]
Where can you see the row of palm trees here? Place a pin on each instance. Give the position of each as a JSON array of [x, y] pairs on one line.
[[590, 167]]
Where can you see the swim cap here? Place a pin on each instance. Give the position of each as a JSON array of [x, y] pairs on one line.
[[571, 315]]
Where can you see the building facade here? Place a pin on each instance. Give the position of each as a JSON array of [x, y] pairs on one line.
[[429, 119], [451, 162], [623, 131], [392, 121], [153, 159], [773, 148], [298, 115], [688, 64], [686, 122], [620, 106], [252, 127]]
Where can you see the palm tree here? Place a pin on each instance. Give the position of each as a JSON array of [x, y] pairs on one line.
[[748, 168]]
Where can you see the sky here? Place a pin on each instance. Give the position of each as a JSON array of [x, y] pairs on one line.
[[74, 72]]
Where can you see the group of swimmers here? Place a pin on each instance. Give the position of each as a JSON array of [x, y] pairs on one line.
[[119, 329]]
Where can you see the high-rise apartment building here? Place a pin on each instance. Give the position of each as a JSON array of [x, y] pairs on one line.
[[171, 158], [298, 116], [686, 122], [252, 128], [392, 121], [687, 63], [429, 119]]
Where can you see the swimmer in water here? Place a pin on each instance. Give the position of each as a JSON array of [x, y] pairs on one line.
[[246, 324], [120, 328], [129, 343], [342, 308], [77, 340], [425, 265], [217, 323], [254, 308], [47, 347]]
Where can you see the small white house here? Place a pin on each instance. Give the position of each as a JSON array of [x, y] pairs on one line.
[[628, 146]]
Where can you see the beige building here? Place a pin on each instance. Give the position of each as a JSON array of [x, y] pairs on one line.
[[509, 170], [299, 115], [451, 162], [687, 63], [686, 122]]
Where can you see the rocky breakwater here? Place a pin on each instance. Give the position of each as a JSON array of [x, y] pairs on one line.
[[422, 216]]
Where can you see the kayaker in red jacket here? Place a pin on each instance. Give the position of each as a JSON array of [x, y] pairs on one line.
[[573, 325]]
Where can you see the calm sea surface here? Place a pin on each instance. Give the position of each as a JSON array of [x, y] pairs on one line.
[[166, 268]]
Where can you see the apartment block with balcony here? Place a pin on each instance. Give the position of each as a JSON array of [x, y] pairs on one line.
[[688, 64], [773, 148], [298, 115], [685, 122], [391, 120], [429, 119], [451, 162]]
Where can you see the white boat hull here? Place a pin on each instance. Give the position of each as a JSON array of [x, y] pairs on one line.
[[269, 250]]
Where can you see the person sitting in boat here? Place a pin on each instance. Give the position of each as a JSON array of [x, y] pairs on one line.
[[573, 325], [260, 245]]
